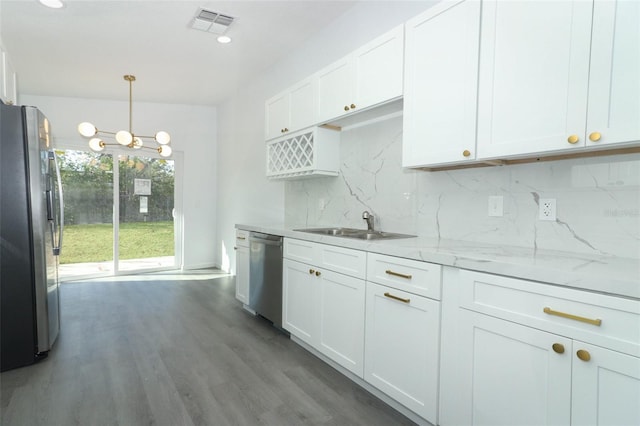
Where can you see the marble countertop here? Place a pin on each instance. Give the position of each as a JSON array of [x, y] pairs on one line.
[[609, 275]]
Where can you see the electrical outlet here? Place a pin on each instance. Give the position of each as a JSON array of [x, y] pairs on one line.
[[547, 209], [496, 204]]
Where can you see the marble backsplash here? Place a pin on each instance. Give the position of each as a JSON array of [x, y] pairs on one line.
[[598, 199]]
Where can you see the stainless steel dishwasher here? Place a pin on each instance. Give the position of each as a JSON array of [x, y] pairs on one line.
[[265, 276]]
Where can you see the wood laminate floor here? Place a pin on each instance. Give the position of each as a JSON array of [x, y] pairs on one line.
[[167, 350]]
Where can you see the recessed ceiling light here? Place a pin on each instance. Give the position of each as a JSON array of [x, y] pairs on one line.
[[224, 39], [54, 4]]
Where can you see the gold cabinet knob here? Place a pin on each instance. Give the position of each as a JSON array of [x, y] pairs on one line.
[[353, 106], [235, 248], [346, 107], [558, 348], [311, 271], [466, 153], [573, 139], [317, 273], [595, 136], [583, 355]]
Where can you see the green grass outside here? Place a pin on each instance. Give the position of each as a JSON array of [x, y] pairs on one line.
[[94, 243]]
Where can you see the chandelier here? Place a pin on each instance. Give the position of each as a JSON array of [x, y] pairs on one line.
[[124, 137]]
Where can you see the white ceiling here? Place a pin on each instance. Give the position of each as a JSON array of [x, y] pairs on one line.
[[84, 49]]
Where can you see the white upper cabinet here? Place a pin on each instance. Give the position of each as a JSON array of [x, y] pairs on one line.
[[291, 110], [534, 69], [371, 75], [440, 85], [558, 76], [614, 77]]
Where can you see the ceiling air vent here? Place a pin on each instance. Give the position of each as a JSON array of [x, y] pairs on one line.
[[213, 22]]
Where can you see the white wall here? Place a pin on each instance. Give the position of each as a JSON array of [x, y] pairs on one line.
[[193, 132], [244, 194]]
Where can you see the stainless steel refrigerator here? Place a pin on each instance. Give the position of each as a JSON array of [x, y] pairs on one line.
[[31, 225]]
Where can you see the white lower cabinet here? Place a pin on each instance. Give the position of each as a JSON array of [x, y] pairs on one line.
[[606, 388], [341, 335], [242, 266], [514, 352], [402, 347], [299, 304], [324, 308], [508, 375]]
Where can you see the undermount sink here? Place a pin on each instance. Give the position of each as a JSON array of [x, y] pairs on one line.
[[360, 234]]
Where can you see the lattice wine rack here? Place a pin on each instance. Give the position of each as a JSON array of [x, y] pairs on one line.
[[310, 152]]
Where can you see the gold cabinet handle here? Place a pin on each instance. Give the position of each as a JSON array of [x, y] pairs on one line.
[[595, 136], [399, 299], [573, 139], [353, 106], [550, 311], [466, 153], [346, 107], [558, 348], [311, 271], [241, 238], [318, 273], [397, 274], [583, 355], [235, 248]]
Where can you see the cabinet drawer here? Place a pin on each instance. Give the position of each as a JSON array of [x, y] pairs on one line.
[[302, 251], [405, 274], [345, 261], [242, 238], [603, 320], [338, 259]]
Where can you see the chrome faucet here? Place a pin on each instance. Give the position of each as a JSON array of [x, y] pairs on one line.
[[369, 218]]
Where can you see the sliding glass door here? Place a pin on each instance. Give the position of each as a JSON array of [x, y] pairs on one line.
[[117, 219], [146, 209]]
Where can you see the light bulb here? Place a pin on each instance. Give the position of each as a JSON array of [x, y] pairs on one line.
[[53, 4], [163, 138], [123, 137], [137, 143], [96, 144], [87, 129], [165, 151]]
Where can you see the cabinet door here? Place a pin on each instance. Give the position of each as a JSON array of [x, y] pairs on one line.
[[533, 77], [614, 82], [335, 94], [242, 274], [507, 374], [606, 387], [440, 85], [342, 320], [302, 105], [378, 70], [401, 347], [277, 115], [299, 304]]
